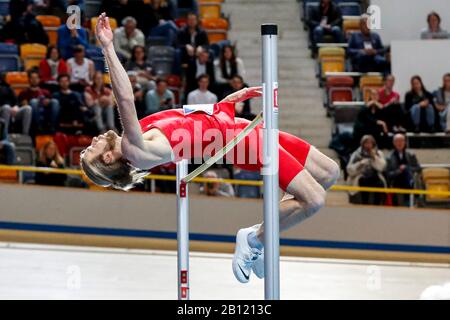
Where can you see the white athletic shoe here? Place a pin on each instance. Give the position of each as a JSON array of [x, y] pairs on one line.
[[244, 256], [258, 265]]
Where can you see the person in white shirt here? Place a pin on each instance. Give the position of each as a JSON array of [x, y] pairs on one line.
[[127, 37], [202, 95], [80, 69], [228, 65]]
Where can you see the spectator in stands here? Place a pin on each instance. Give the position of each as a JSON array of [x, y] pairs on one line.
[[68, 39], [162, 24], [366, 49], [49, 157], [23, 26], [226, 67], [202, 95], [214, 188], [326, 19], [365, 169], [368, 121], [198, 65], [420, 105], [120, 9], [127, 37], [139, 94], [442, 101], [73, 114], [45, 109], [7, 150], [391, 112], [160, 98], [242, 109], [434, 30], [190, 37], [138, 62], [81, 69], [50, 7], [51, 67], [99, 98], [401, 167], [12, 112]]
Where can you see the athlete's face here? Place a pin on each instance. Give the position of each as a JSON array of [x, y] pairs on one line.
[[106, 145]]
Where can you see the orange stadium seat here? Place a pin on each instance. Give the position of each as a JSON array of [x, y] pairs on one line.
[[210, 10], [350, 25], [41, 140], [7, 176], [17, 80], [369, 82], [331, 59], [216, 28], [339, 89], [32, 54], [50, 24]]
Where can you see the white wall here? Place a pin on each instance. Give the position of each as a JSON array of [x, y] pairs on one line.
[[427, 58], [403, 19]]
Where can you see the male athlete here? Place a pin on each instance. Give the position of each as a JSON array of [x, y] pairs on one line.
[[122, 161]]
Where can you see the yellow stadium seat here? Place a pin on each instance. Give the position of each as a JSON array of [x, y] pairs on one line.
[[331, 59], [350, 25], [436, 179], [112, 22], [369, 82], [326, 52], [210, 10], [50, 24], [32, 54], [17, 80]]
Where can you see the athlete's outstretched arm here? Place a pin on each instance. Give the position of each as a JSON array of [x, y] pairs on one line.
[[243, 94], [121, 85]]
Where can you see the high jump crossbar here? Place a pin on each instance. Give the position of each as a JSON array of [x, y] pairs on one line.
[[269, 34]]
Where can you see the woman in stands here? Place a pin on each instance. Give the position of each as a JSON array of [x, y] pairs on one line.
[[121, 161]]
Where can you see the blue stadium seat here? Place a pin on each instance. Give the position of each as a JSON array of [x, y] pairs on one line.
[[4, 8], [9, 63], [162, 67], [157, 52], [9, 49], [155, 41], [350, 8], [99, 63]]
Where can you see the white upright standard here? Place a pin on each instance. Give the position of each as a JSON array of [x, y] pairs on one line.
[[269, 33], [183, 231]]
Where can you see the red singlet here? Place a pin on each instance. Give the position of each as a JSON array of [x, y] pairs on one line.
[[193, 135]]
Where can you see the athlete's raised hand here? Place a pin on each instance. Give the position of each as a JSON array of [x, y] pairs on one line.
[[103, 31], [244, 94]]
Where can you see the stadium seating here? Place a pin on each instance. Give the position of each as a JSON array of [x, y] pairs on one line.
[[350, 8], [161, 59], [369, 82], [41, 140], [92, 8], [210, 10], [18, 80], [350, 25], [9, 57], [339, 89], [32, 54], [216, 28], [4, 8], [331, 59], [345, 114], [50, 24], [96, 55], [436, 179]]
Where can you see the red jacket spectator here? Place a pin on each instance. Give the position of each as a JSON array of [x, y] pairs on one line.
[[45, 67]]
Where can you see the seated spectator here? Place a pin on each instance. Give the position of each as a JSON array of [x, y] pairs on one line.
[[139, 94], [201, 64], [11, 112], [190, 37], [68, 39], [99, 98], [127, 37], [366, 49], [45, 108], [401, 167], [202, 95], [365, 169], [49, 157], [81, 69], [391, 112], [442, 101], [160, 98], [23, 27], [420, 105], [120, 9], [226, 67], [51, 7], [138, 62], [162, 24], [216, 189], [51, 67], [326, 19], [7, 151], [368, 121], [74, 116], [434, 30], [242, 109]]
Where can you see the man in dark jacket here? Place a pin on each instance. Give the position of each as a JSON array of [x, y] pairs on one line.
[[326, 19], [190, 37], [366, 50], [401, 167], [198, 65]]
